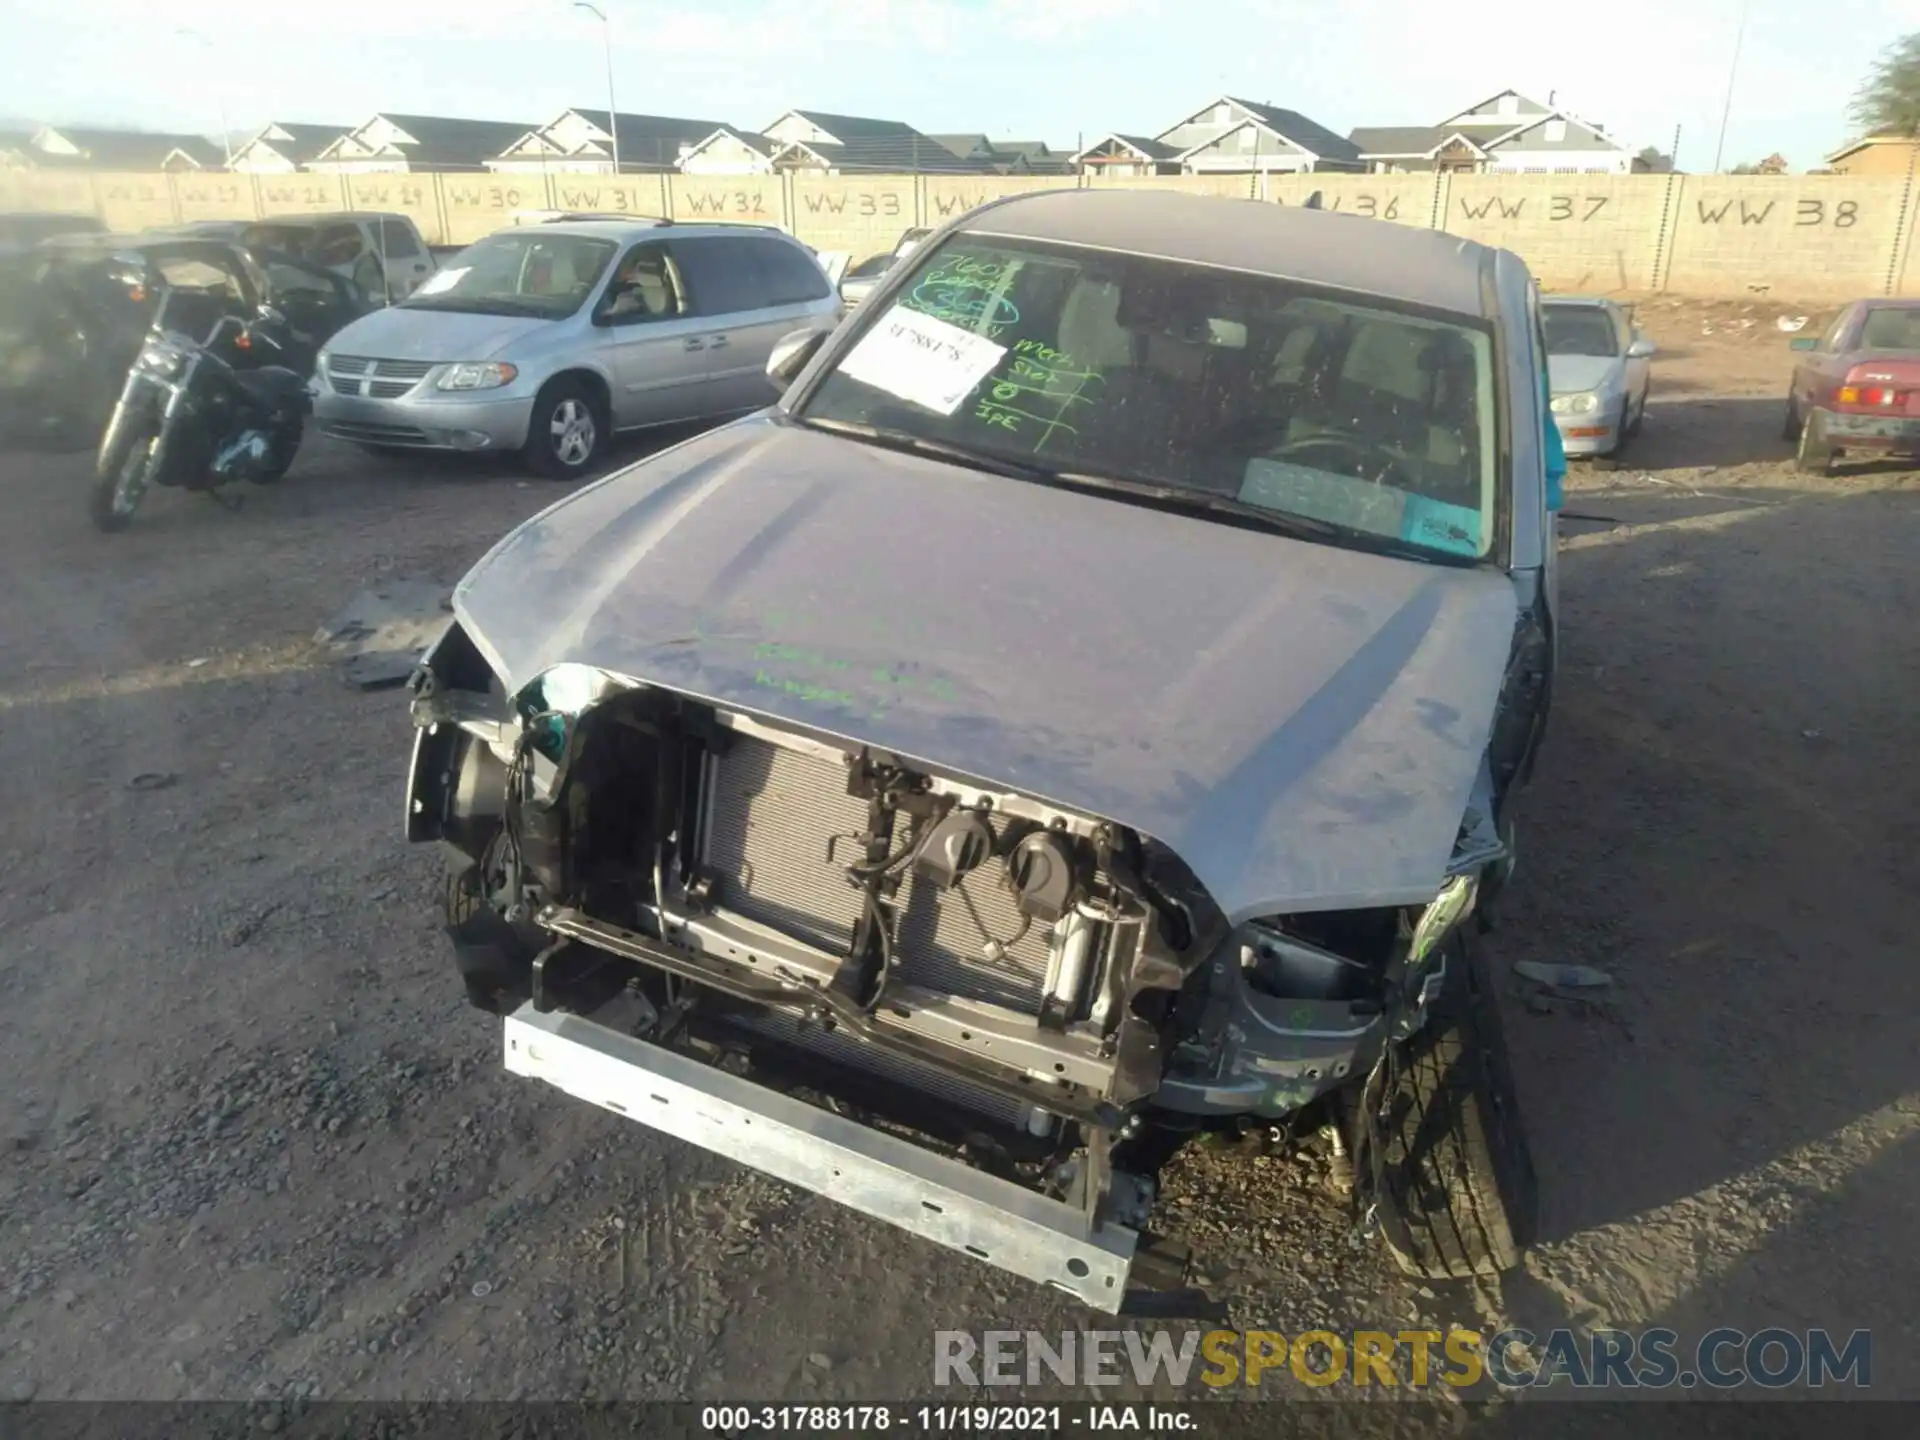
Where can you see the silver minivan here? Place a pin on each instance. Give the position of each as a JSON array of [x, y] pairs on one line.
[[548, 339]]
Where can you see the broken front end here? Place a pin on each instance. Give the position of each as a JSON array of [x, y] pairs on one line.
[[966, 1011]]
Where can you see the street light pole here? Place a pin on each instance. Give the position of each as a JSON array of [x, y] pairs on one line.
[[1733, 69], [613, 110], [219, 92]]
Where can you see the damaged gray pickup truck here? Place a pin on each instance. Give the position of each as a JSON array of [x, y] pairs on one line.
[[1084, 713]]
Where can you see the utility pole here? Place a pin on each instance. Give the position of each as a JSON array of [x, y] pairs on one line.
[[219, 90], [1733, 69], [613, 110]]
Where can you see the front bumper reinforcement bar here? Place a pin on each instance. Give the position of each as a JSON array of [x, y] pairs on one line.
[[877, 1174]]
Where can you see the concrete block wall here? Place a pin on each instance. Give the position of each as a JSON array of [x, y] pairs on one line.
[[1403, 199], [1815, 237], [1732, 233], [1576, 232], [862, 215]]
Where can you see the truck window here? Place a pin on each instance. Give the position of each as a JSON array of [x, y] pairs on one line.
[[396, 236]]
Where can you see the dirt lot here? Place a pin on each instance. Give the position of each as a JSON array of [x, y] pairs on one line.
[[256, 1145]]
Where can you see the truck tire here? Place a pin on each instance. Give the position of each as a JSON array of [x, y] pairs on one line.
[[1458, 1196]]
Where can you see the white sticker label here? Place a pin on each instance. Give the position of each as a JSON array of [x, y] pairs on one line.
[[925, 361], [442, 280]]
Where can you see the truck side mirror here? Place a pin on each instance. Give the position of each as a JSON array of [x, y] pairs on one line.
[[791, 354]]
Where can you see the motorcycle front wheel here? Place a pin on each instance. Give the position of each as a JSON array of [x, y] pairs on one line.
[[120, 478]]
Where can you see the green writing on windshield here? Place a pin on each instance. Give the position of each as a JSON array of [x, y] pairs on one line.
[[968, 290], [1036, 391]]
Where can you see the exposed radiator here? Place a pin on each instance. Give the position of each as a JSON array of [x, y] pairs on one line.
[[790, 1029], [771, 813]]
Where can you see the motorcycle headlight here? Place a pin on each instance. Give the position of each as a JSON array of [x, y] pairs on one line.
[[1576, 404], [162, 360], [475, 375]]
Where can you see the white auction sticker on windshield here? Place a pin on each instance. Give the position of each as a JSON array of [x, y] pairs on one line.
[[441, 280], [923, 360]]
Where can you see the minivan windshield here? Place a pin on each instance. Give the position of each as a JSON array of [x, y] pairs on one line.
[[1245, 395], [535, 273]]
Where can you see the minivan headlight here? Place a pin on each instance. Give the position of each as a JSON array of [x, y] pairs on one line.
[[475, 375]]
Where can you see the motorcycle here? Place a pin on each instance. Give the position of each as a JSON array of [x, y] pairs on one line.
[[188, 418]]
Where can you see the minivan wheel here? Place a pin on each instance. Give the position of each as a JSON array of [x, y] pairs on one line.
[[568, 431]]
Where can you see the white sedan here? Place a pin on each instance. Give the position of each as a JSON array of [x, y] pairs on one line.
[[1598, 368]]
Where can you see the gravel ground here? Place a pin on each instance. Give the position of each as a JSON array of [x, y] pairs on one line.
[[253, 1144]]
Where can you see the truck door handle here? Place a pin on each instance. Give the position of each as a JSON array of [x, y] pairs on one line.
[[719, 342], [694, 342]]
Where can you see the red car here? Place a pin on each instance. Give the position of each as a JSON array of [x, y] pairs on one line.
[[1856, 392]]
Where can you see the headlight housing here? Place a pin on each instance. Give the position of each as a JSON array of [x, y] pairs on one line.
[[475, 375], [162, 360], [1584, 404]]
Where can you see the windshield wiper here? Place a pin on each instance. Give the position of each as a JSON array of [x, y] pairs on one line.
[[939, 449]]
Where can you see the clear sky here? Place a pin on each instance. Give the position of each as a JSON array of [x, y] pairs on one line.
[[1015, 69]]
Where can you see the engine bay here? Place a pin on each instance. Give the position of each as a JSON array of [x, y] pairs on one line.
[[1046, 996]]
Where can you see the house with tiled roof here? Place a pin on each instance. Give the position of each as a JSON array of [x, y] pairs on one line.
[[586, 140], [1505, 133], [389, 142], [728, 151], [1240, 137], [90, 148], [852, 144], [282, 146], [1120, 155], [1009, 157]]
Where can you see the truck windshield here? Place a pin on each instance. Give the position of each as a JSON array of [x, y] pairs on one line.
[[532, 273], [1245, 390]]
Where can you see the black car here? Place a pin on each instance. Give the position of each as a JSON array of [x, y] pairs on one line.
[[75, 309]]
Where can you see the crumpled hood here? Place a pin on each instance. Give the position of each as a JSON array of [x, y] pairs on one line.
[[398, 333], [1574, 374], [1300, 723]]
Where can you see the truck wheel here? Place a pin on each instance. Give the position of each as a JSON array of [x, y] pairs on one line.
[[1458, 1193], [1815, 456], [567, 432]]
